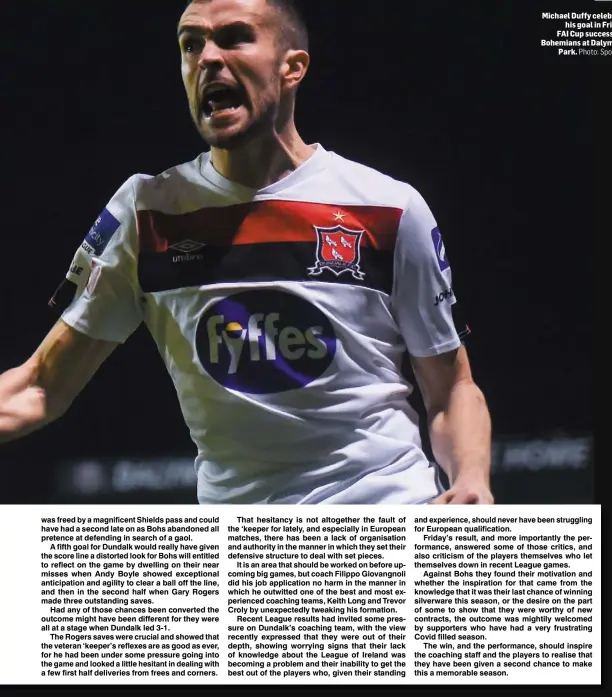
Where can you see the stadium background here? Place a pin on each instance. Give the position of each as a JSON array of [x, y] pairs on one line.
[[458, 99]]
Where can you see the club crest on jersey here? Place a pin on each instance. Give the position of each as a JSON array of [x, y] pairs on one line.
[[338, 251]]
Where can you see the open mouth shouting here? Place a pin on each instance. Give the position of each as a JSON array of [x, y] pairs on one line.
[[221, 101]]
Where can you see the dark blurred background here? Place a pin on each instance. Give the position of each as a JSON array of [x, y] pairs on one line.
[[457, 98]]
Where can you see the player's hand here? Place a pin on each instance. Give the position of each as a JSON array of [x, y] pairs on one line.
[[464, 492]]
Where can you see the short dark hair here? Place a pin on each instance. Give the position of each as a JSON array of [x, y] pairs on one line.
[[294, 32]]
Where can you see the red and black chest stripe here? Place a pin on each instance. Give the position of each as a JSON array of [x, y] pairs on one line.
[[267, 241]]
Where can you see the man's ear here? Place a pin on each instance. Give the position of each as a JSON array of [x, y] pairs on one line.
[[294, 69]]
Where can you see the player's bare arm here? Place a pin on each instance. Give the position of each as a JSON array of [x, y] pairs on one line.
[[459, 425], [43, 388]]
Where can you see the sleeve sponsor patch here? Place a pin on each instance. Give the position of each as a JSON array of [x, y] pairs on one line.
[[101, 233], [436, 236]]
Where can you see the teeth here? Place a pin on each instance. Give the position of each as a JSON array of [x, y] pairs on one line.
[[219, 98], [216, 88], [213, 108]]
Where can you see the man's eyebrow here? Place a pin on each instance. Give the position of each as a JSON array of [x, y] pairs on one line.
[[189, 28], [192, 29]]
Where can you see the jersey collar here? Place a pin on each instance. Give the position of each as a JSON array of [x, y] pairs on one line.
[[311, 166]]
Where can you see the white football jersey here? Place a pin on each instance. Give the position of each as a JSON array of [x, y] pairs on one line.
[[283, 315]]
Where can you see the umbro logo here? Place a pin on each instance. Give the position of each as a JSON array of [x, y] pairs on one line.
[[187, 246]]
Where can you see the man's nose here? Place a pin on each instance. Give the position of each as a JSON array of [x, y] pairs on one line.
[[211, 55]]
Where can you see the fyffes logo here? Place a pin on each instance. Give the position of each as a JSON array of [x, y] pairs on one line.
[[265, 342]]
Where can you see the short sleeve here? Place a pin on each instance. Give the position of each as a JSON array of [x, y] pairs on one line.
[[100, 295], [423, 301]]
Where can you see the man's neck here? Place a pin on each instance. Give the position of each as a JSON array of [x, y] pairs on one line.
[[263, 161]]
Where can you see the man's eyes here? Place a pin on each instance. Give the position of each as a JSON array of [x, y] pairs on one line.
[[192, 44], [225, 39]]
